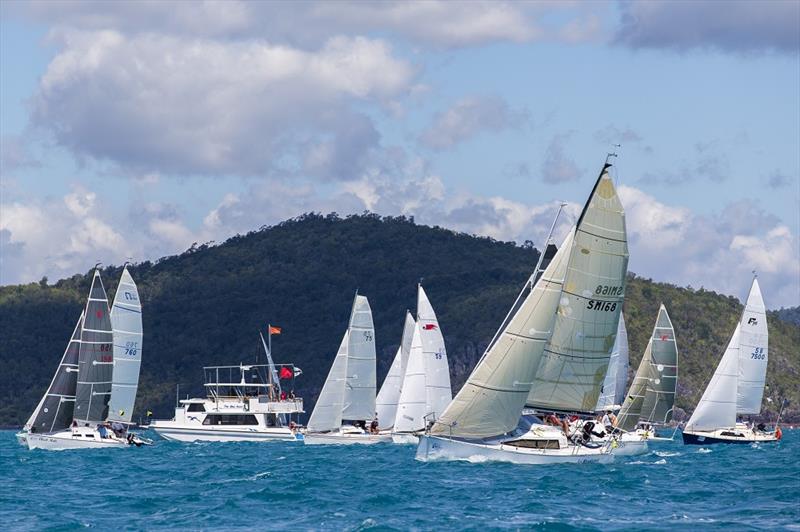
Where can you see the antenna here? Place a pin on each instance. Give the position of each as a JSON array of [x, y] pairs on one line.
[[97, 264], [613, 152]]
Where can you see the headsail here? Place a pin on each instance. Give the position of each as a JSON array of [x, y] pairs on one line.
[[412, 406], [632, 407], [576, 356], [54, 411], [126, 321], [95, 358], [389, 394], [659, 399], [717, 407], [327, 414], [438, 393], [491, 401], [753, 353], [613, 391], [359, 392]]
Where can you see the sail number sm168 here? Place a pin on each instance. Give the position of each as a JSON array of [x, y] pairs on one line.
[[605, 306]]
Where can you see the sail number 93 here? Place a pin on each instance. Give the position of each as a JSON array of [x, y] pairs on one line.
[[605, 306]]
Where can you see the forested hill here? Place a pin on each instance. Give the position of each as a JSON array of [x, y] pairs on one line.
[[207, 305]]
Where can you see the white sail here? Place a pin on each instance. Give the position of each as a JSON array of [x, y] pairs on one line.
[[613, 391], [437, 371], [491, 401], [359, 391], [126, 321], [659, 399], [632, 407], [327, 414], [753, 353], [412, 405], [575, 359], [389, 394], [717, 407]]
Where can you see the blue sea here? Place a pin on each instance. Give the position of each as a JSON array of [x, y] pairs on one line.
[[295, 487]]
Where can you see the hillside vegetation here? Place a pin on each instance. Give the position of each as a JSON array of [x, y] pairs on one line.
[[207, 305]]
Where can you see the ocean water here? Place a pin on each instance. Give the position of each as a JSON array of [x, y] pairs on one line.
[[296, 487]]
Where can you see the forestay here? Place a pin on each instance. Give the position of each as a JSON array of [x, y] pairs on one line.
[[126, 321], [54, 411], [412, 405], [438, 393], [491, 401], [389, 394], [576, 356], [327, 414], [95, 358], [613, 391], [717, 407], [659, 399], [359, 391], [753, 353]]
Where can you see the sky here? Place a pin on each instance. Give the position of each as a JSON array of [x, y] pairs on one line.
[[131, 130]]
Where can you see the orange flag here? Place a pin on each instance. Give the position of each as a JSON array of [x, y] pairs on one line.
[[274, 330]]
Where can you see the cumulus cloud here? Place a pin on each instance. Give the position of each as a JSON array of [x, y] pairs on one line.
[[717, 252], [158, 103], [736, 25], [468, 117], [438, 23]]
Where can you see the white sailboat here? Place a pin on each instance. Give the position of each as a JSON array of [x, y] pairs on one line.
[[389, 394], [428, 375], [82, 387], [349, 390], [737, 386], [555, 342], [612, 394], [651, 399]]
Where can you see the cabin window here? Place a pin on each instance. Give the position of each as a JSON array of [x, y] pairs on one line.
[[230, 419], [196, 407], [272, 420], [734, 434], [535, 444]]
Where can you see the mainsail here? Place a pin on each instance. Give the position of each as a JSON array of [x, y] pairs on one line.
[[659, 399], [491, 401], [438, 393], [412, 406], [126, 321], [753, 353], [389, 394], [613, 390], [575, 359], [95, 357], [327, 414], [717, 407], [54, 411], [359, 391]]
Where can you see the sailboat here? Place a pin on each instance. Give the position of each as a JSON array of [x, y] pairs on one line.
[[612, 394], [426, 387], [389, 394], [737, 386], [551, 352], [83, 385], [651, 399], [349, 390]]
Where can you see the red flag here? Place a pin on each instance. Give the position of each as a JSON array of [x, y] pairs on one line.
[[664, 337], [285, 373], [429, 327], [274, 330]]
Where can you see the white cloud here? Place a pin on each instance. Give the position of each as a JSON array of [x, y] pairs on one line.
[[468, 117], [558, 167], [168, 105]]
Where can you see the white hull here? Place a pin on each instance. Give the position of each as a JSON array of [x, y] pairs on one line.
[[735, 435], [213, 433], [405, 438], [338, 438], [59, 441], [436, 448]]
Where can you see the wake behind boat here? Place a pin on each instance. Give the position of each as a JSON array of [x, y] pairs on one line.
[[558, 336], [737, 387], [98, 368]]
